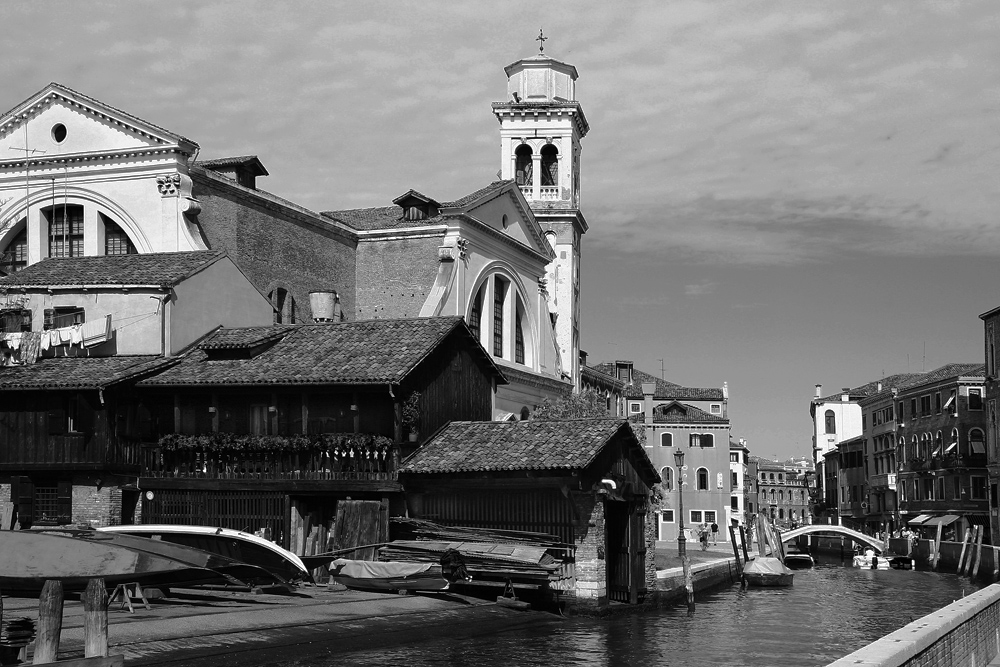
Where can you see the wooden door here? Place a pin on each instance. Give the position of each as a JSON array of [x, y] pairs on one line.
[[616, 552], [360, 523]]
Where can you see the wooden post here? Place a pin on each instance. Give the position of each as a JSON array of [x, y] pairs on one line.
[[962, 565], [50, 617], [979, 551], [937, 548], [95, 619], [743, 543], [761, 537], [996, 565], [736, 547]]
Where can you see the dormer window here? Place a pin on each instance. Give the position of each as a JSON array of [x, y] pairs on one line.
[[417, 206]]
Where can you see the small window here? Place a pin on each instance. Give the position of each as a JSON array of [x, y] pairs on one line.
[[734, 502], [667, 516], [978, 487], [716, 409], [666, 440], [476, 313], [63, 316], [696, 516], [667, 473], [635, 407], [15, 257], [709, 516], [14, 320], [58, 133], [734, 457], [975, 399], [831, 421], [504, 222], [707, 440], [703, 479], [976, 442], [116, 241]]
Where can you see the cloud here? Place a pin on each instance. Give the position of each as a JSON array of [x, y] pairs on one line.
[[700, 289]]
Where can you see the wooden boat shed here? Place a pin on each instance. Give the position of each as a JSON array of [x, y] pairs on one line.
[[587, 481]]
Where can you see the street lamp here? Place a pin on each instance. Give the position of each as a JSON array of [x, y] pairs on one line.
[[681, 539]]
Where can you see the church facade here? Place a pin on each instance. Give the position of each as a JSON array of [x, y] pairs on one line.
[[79, 177]]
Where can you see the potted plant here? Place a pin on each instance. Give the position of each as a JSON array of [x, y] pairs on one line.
[[411, 415]]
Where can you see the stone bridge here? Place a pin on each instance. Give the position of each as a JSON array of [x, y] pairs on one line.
[[822, 529]]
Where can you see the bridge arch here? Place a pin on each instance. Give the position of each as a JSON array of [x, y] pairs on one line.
[[823, 529]]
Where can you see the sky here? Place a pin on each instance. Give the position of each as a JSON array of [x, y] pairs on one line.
[[780, 193]]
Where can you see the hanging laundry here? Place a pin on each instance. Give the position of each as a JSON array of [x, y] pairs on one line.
[[53, 337], [31, 342], [13, 339], [65, 335], [75, 335], [46, 342], [96, 331]]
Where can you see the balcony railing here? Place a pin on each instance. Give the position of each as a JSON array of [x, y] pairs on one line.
[[545, 192], [364, 458], [884, 481]]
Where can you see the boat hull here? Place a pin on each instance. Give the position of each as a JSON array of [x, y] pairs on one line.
[[799, 561], [232, 544], [28, 559]]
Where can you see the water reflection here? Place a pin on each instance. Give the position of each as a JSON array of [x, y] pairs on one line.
[[831, 611]]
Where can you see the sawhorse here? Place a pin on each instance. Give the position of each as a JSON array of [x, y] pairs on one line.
[[127, 595]]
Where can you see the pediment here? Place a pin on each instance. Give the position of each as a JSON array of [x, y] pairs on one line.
[[59, 121], [507, 212]]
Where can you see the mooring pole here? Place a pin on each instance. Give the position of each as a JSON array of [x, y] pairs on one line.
[[95, 619], [50, 618]]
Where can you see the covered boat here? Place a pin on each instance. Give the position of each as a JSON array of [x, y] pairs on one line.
[[388, 576], [29, 558], [767, 571], [233, 544]]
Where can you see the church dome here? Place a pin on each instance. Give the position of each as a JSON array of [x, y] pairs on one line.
[[541, 79]]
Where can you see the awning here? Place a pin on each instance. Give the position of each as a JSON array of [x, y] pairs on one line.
[[504, 416], [919, 519], [942, 520], [951, 447]]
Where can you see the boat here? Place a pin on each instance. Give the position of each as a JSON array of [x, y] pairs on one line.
[[388, 576], [799, 560], [898, 562], [767, 571], [29, 558], [873, 561], [234, 544], [230, 571]]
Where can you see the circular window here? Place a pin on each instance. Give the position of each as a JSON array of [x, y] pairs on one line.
[[503, 221], [59, 132]]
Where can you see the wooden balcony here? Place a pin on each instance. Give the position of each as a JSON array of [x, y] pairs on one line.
[[354, 463], [78, 451]]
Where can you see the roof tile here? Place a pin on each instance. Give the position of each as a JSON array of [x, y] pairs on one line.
[[161, 269]]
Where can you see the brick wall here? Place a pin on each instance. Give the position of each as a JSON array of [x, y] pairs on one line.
[[277, 245], [395, 277], [96, 507], [591, 592], [652, 531], [5, 502]]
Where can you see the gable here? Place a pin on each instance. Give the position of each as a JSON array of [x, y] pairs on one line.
[[511, 218], [59, 121]]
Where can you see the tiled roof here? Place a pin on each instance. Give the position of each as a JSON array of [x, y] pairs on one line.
[[384, 217], [237, 339], [563, 444], [492, 188], [391, 217], [162, 269], [906, 380], [366, 352], [692, 415], [664, 390], [78, 372]]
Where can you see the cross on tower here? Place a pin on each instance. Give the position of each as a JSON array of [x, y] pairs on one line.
[[541, 41]]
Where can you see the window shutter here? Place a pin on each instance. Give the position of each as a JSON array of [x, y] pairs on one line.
[[64, 498], [57, 420], [49, 319]]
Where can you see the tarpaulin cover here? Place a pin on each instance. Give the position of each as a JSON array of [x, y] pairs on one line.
[[365, 569]]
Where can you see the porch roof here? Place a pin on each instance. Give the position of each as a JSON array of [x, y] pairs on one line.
[[78, 372], [556, 444], [366, 352]]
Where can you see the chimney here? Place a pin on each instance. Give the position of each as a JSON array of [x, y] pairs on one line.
[[878, 386], [819, 391], [623, 370], [325, 305], [648, 389], [845, 394]]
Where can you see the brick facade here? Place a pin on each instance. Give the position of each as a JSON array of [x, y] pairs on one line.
[[92, 506], [591, 592], [276, 245], [394, 277]]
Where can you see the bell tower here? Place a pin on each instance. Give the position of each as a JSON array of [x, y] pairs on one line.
[[541, 125]]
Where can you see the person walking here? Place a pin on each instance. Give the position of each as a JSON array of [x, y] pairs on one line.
[[715, 533], [703, 536]]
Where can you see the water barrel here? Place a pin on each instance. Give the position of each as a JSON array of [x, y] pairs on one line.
[[324, 305]]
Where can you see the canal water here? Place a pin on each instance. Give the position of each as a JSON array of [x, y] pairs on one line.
[[830, 611]]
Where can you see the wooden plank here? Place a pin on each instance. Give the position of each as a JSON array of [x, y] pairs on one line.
[[99, 661], [979, 550], [937, 547], [7, 520], [962, 564]]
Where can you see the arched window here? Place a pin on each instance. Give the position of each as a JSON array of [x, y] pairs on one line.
[[976, 441], [499, 294], [781, 477], [955, 446], [781, 513], [703, 479], [283, 304], [667, 473], [525, 413], [116, 241], [15, 257], [522, 165], [666, 439], [771, 476], [476, 313], [781, 496], [65, 230], [550, 165], [831, 421]]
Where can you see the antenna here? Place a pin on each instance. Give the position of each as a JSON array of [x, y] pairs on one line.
[[28, 152], [923, 363]]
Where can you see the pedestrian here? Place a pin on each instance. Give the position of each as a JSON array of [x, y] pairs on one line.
[[715, 533], [703, 536]]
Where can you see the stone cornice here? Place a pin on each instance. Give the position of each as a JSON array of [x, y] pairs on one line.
[[534, 109], [533, 379], [96, 156]]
